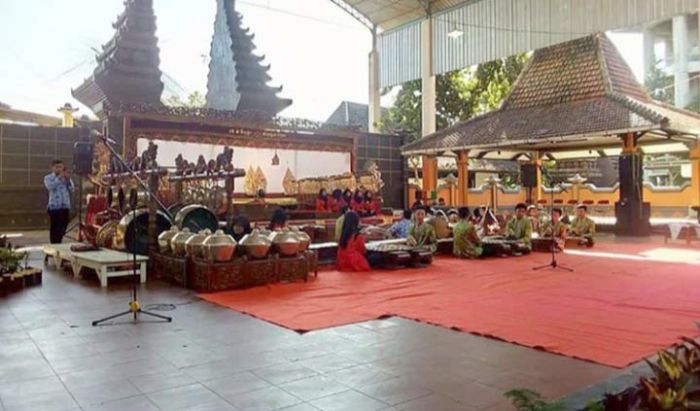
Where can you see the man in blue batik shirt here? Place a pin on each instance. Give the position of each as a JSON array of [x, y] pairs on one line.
[[60, 186], [400, 228]]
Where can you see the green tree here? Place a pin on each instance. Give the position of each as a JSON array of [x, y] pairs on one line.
[[194, 100], [461, 94], [659, 85]]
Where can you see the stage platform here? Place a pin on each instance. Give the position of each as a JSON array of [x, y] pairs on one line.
[[626, 299]]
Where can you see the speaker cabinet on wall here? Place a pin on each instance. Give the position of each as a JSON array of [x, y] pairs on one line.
[[82, 158], [528, 175]]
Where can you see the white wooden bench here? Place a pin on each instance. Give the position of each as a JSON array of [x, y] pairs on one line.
[[106, 263]]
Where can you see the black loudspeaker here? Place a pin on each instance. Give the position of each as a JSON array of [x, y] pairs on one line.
[[632, 219], [82, 158], [631, 212], [528, 175], [631, 181]]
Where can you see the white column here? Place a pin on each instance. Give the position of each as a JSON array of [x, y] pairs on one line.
[[375, 109], [680, 60], [649, 53], [427, 78]]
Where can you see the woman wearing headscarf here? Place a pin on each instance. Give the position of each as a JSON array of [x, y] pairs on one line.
[[358, 202], [322, 201], [240, 228], [371, 204], [279, 220]]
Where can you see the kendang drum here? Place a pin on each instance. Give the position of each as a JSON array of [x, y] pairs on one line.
[[132, 231], [105, 235], [197, 218]]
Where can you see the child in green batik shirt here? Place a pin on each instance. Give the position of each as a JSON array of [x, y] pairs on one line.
[[467, 243], [520, 227], [421, 233], [556, 228], [583, 226]]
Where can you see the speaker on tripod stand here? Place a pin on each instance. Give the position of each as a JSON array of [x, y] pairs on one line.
[[83, 152]]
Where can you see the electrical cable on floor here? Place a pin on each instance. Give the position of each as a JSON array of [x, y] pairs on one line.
[[167, 306]]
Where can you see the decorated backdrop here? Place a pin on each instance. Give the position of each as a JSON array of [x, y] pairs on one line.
[[302, 163]]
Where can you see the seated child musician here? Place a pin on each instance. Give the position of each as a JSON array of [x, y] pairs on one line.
[[583, 226], [556, 228], [400, 228], [467, 243], [519, 228], [421, 233]]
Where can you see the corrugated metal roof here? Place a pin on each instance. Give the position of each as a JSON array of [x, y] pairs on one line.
[[494, 29], [387, 14]]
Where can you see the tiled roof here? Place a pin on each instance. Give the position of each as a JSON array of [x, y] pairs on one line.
[[351, 114], [581, 87]]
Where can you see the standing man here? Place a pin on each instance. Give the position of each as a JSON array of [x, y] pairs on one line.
[[520, 227], [60, 186]]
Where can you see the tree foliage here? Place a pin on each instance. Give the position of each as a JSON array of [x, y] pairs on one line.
[[194, 100], [461, 94], [659, 85]]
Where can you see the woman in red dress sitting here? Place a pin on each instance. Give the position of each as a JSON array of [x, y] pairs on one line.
[[372, 205], [322, 201], [351, 247], [358, 202], [336, 200]]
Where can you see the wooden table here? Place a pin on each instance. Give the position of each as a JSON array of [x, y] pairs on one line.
[[106, 263], [109, 263], [58, 253]]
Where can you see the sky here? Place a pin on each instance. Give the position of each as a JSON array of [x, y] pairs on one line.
[[316, 50]]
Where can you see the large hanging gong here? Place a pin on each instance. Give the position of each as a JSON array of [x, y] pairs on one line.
[[124, 238], [196, 217]]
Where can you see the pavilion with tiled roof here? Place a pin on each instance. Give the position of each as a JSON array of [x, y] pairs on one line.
[[571, 96]]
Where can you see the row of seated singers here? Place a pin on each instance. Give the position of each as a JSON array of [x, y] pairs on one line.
[[364, 204], [581, 227], [468, 235]]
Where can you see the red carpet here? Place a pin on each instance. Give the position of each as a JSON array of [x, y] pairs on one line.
[[609, 311]]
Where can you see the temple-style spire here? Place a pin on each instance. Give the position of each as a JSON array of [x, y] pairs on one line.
[[127, 70], [237, 78]]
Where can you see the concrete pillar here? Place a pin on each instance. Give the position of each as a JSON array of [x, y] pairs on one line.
[[681, 50], [375, 109], [430, 175], [649, 53], [463, 177], [695, 176], [427, 79]]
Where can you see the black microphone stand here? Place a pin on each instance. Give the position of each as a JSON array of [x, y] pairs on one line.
[[134, 305], [553, 264]]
